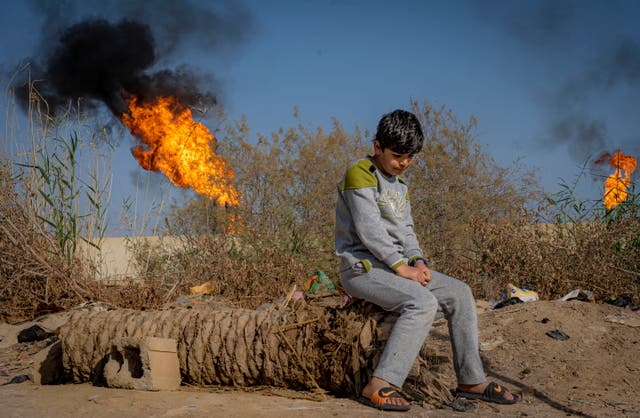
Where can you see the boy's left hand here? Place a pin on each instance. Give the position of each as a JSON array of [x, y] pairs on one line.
[[424, 269]]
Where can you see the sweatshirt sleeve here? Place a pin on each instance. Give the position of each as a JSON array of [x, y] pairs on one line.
[[358, 190], [411, 244], [366, 219]]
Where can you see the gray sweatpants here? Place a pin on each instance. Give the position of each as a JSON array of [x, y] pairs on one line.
[[417, 306]]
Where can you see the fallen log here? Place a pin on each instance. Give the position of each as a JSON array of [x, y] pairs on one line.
[[300, 347]]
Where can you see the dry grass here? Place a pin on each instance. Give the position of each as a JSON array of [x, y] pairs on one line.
[[467, 212], [30, 273], [600, 256]]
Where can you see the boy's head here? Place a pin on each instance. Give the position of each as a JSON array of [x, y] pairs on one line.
[[400, 131]]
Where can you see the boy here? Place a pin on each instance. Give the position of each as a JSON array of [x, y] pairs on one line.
[[381, 262]]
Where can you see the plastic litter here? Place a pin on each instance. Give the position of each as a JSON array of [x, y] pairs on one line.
[[510, 301], [319, 284], [557, 335], [579, 294], [203, 289], [490, 345], [513, 294], [521, 293], [33, 333], [192, 300], [17, 379], [623, 302]]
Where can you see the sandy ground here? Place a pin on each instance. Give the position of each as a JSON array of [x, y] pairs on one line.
[[85, 400], [593, 373]]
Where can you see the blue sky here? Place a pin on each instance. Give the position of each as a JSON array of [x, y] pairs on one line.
[[551, 83]]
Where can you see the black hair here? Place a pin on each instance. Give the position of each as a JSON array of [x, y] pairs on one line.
[[400, 131]]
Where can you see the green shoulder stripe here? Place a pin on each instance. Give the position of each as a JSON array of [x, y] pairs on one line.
[[360, 176]]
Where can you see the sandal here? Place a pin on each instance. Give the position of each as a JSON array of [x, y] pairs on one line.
[[492, 393], [379, 400]]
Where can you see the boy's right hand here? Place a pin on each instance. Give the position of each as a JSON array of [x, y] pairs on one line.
[[413, 273]]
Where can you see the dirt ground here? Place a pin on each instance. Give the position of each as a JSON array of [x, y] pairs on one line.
[[592, 373]]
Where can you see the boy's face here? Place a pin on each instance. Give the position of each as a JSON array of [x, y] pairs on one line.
[[391, 163]]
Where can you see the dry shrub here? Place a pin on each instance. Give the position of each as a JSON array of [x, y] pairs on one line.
[[31, 272], [41, 195], [37, 278], [601, 256], [132, 294], [288, 182], [284, 225], [454, 183], [564, 244], [249, 270]]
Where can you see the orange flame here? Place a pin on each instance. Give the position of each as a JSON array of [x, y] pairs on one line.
[[179, 147], [615, 187]]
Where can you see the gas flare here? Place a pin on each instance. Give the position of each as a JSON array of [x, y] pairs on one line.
[[615, 186], [181, 148]]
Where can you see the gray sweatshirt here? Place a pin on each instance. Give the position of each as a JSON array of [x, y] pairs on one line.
[[373, 219]]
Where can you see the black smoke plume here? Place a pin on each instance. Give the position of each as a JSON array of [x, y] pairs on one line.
[[548, 31], [586, 135], [107, 62], [102, 60]]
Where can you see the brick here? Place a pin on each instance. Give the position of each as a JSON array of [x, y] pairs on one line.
[[148, 363]]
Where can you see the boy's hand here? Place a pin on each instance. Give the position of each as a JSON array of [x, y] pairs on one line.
[[420, 265], [417, 274]]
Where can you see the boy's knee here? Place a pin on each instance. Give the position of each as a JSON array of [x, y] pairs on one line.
[[466, 290], [461, 291], [424, 302]]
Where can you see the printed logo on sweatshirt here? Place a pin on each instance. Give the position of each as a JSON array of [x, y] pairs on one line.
[[392, 204]]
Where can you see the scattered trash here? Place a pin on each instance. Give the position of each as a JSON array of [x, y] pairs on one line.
[[544, 320], [318, 284], [510, 301], [17, 379], [490, 345], [189, 301], [203, 289], [558, 335], [624, 319], [521, 293], [623, 302], [579, 294], [513, 294], [33, 333]]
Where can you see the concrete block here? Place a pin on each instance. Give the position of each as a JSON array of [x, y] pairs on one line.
[[148, 363]]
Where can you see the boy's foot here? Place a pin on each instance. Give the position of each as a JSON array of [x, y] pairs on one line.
[[379, 394], [487, 391]]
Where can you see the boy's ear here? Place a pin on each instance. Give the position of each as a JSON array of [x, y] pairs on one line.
[[377, 149]]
